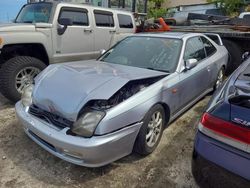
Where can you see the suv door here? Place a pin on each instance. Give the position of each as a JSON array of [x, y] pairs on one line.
[[104, 30], [77, 42], [195, 81]]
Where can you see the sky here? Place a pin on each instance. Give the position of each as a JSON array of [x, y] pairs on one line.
[[9, 9]]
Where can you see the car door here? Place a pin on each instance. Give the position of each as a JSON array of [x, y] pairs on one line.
[[105, 29], [77, 42], [195, 81], [213, 59]]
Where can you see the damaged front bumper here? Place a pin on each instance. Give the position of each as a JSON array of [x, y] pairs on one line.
[[90, 152]]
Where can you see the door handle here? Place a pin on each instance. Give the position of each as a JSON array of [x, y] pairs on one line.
[[88, 30], [112, 31]]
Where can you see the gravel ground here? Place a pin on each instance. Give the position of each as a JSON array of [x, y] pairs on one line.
[[25, 164]]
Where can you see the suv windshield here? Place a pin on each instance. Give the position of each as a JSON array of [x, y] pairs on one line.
[[153, 53], [35, 12]]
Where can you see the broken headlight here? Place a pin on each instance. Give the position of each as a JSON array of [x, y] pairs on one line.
[[87, 123], [26, 98]]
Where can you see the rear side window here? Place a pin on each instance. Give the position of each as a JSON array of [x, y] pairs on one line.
[[125, 21], [104, 18], [194, 49], [78, 16], [209, 47]]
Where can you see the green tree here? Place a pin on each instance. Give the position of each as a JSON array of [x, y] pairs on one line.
[[230, 7], [155, 10]]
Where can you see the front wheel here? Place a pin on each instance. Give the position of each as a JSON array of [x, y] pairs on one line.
[[17, 73], [151, 131]]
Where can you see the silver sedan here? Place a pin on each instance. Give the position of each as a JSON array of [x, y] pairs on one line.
[[91, 113]]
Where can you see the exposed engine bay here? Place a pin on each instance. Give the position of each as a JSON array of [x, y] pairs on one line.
[[128, 90]]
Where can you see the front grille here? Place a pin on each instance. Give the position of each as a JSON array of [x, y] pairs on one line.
[[51, 118]]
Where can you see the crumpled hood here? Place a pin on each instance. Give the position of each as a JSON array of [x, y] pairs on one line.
[[16, 27], [64, 89]]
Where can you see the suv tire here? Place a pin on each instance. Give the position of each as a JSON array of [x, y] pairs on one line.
[[16, 73]]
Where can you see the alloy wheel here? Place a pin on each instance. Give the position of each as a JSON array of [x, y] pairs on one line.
[[25, 77], [220, 79], [154, 129]]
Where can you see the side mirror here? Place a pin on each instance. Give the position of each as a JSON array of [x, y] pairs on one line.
[[191, 63], [65, 22], [102, 51]]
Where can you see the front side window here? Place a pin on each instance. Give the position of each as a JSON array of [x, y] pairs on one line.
[[78, 16], [104, 18], [209, 47], [125, 21], [34, 13], [194, 49], [153, 53]]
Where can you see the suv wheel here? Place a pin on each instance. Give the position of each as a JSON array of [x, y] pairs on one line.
[[17, 73]]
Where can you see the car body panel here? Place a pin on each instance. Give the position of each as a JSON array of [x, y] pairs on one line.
[[17, 27], [226, 152], [65, 90], [85, 81], [230, 158], [93, 152]]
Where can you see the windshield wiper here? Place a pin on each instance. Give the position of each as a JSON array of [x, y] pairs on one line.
[[150, 68]]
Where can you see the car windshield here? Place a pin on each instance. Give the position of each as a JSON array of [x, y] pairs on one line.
[[161, 54], [35, 12]]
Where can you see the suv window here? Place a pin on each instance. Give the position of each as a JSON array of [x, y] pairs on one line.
[[209, 47], [104, 18], [194, 49], [125, 21], [77, 15]]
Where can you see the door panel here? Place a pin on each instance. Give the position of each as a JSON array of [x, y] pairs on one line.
[[77, 43], [193, 83], [214, 62], [197, 80], [105, 29]]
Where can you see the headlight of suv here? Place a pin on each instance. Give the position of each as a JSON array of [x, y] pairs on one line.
[[26, 98], [87, 123]]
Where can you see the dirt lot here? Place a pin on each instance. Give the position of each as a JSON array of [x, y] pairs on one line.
[[25, 164]]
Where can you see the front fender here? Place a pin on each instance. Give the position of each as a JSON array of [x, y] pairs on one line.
[[130, 111], [12, 38]]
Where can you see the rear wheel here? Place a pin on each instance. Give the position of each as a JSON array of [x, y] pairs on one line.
[[220, 78], [151, 131], [17, 73]]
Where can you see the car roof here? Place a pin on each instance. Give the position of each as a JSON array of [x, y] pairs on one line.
[[177, 35]]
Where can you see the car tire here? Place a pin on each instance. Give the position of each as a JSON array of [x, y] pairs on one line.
[[17, 72], [152, 125], [235, 56], [220, 78]]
